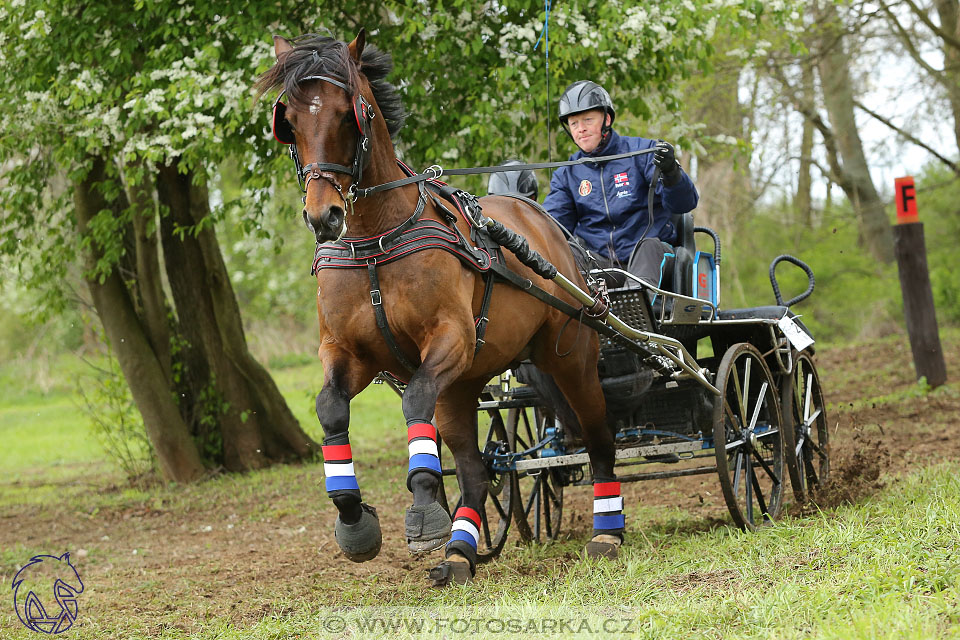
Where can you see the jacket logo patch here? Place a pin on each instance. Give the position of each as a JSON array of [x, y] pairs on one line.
[[585, 188], [621, 180]]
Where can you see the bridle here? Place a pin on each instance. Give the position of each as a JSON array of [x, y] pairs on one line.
[[364, 114]]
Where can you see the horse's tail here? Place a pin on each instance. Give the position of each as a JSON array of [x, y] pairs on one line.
[[550, 397]]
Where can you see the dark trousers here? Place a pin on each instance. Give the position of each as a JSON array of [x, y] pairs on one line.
[[645, 261]]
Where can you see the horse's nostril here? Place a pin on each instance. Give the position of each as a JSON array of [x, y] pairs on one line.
[[334, 218]]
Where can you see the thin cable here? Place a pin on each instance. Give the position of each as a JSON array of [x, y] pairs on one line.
[[545, 36]]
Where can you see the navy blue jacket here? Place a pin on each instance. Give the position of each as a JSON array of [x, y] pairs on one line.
[[606, 205]]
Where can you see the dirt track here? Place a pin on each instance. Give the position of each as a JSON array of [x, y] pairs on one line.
[[165, 568]]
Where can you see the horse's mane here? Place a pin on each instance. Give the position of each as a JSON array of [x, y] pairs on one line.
[[323, 55]]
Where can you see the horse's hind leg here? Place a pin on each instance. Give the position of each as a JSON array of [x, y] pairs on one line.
[[457, 421], [357, 529], [578, 381]]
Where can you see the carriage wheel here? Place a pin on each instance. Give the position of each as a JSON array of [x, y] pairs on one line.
[[807, 443], [538, 510], [748, 438], [501, 488]]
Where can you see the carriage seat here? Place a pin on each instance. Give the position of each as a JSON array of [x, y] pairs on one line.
[[677, 272], [771, 312]]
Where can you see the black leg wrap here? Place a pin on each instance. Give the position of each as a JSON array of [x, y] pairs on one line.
[[360, 541], [426, 527]]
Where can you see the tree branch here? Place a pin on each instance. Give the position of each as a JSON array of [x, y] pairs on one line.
[[910, 138], [937, 74], [829, 140], [925, 19]]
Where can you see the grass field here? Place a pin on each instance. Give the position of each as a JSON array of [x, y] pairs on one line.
[[253, 556]]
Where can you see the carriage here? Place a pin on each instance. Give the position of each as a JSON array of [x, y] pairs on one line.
[[674, 379], [685, 376]]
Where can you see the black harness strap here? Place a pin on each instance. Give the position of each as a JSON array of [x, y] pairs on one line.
[[483, 319], [376, 298]]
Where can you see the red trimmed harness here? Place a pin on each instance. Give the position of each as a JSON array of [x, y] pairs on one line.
[[413, 235]]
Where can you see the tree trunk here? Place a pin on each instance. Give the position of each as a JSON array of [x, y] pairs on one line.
[[175, 450], [834, 69], [255, 423], [803, 201], [149, 284], [949, 13]]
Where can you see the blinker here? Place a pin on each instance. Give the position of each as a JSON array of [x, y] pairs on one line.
[[282, 130]]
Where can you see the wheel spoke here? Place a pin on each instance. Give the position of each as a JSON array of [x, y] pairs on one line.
[[810, 420], [760, 501], [736, 472], [756, 410], [734, 423], [485, 523], [748, 471], [533, 497], [735, 444], [811, 473], [498, 507], [745, 402], [816, 447], [739, 394], [766, 467], [806, 402]]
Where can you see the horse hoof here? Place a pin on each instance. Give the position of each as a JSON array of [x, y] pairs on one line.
[[426, 527], [424, 546], [360, 541], [600, 549], [448, 572]]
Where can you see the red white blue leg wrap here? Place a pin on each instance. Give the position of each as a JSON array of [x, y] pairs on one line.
[[465, 536], [466, 527], [338, 470], [422, 444], [607, 509]]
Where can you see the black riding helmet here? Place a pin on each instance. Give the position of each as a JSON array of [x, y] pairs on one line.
[[584, 95], [523, 182]]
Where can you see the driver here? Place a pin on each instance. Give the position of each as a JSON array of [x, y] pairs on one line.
[[605, 205]]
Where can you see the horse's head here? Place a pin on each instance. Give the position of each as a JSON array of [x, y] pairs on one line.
[[330, 119]]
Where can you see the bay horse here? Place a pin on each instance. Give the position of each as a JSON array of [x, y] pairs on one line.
[[340, 119]]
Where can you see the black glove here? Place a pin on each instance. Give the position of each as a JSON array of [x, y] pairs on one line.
[[666, 159]]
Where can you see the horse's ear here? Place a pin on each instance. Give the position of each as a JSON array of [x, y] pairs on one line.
[[281, 46], [356, 47]]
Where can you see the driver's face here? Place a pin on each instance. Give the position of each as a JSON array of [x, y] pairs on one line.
[[586, 128]]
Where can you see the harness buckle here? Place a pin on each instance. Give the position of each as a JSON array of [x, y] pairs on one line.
[[376, 298]]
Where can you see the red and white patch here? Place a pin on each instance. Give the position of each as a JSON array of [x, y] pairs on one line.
[[585, 188], [621, 180]]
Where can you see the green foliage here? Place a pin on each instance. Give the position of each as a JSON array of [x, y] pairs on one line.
[[854, 296], [145, 82], [938, 195], [114, 418]]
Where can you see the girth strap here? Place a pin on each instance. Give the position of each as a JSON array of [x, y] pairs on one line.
[[376, 299]]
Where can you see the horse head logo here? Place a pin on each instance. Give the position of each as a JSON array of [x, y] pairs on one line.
[[45, 593]]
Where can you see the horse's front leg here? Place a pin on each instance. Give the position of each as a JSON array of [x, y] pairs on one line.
[[427, 522], [357, 528]]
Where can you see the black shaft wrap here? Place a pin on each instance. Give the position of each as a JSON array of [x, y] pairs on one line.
[[519, 246]]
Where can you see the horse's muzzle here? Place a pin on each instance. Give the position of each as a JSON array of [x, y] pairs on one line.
[[328, 225]]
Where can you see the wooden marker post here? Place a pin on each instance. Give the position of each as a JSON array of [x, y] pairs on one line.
[[911, 252]]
